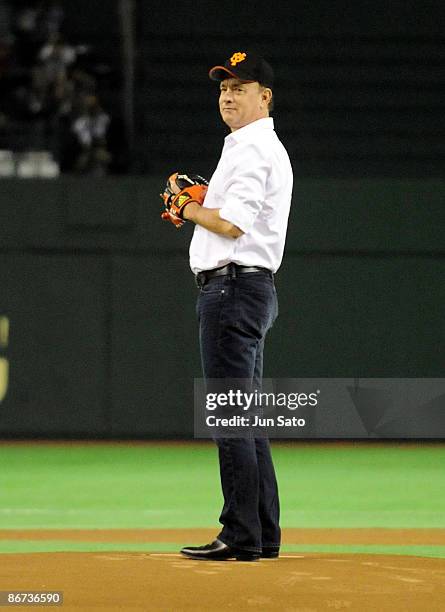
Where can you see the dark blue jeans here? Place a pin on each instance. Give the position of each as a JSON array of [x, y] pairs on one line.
[[235, 314]]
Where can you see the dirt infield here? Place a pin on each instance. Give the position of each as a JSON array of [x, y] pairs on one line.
[[200, 536], [167, 582]]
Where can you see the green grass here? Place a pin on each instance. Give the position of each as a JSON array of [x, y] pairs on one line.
[[164, 486]]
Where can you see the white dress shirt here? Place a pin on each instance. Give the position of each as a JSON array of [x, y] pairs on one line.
[[252, 185]]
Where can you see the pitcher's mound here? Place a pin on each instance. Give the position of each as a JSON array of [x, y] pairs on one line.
[[168, 581]]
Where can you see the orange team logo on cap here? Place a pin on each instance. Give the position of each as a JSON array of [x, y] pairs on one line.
[[237, 58]]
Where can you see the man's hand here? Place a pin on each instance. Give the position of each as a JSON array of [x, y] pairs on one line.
[[180, 191]]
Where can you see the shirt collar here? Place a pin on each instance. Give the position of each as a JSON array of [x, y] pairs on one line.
[[266, 123]]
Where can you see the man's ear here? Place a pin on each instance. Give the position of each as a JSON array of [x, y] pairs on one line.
[[266, 94]]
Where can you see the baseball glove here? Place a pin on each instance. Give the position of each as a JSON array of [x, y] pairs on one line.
[[180, 190]]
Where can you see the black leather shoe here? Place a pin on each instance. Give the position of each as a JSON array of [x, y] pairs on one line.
[[218, 551], [270, 553]]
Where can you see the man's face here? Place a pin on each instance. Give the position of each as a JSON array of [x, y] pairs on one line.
[[241, 103]]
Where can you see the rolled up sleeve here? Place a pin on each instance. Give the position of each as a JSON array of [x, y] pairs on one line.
[[245, 189]]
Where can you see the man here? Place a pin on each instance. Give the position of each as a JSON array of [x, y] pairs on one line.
[[236, 248]]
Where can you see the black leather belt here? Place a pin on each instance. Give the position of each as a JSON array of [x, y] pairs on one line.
[[230, 269]]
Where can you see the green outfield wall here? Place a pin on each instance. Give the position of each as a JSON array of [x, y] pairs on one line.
[[98, 334]]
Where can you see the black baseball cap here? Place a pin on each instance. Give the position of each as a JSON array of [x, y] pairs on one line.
[[245, 67]]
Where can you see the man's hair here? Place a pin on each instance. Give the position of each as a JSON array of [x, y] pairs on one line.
[[271, 103]]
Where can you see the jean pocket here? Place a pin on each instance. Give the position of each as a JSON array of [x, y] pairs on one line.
[[212, 291], [209, 300]]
